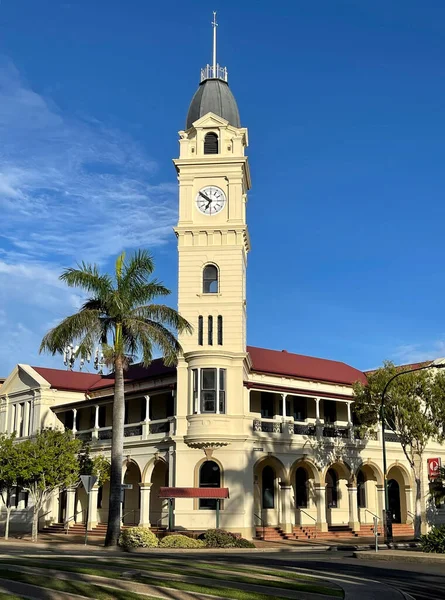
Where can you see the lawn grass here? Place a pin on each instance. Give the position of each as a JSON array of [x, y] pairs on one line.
[[211, 587], [5, 596], [97, 592]]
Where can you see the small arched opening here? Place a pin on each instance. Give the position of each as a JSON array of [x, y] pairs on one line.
[[210, 280], [211, 143]]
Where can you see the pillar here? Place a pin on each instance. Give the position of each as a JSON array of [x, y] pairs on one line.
[[144, 514], [70, 505], [354, 522], [74, 421], [286, 496], [92, 507], [318, 423], [283, 403], [409, 503], [146, 423], [320, 494]]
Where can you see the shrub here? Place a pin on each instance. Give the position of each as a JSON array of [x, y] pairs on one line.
[[219, 538], [180, 541], [137, 537], [243, 543], [434, 541]]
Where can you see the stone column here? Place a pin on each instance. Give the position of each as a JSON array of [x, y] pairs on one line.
[[380, 502], [144, 515], [354, 522], [410, 503], [286, 500], [283, 403], [74, 421], [92, 507], [318, 423], [146, 423], [94, 433], [320, 494], [70, 505]]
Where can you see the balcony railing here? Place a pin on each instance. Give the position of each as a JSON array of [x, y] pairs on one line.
[[144, 429], [319, 430]]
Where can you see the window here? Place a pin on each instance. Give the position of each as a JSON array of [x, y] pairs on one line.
[[210, 280], [300, 409], [211, 144], [220, 330], [361, 492], [222, 391], [332, 489], [301, 494], [200, 330], [268, 481], [208, 390], [209, 387], [195, 376], [210, 331], [209, 477], [330, 411], [267, 405]]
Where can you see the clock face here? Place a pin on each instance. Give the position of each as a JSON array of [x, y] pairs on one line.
[[210, 200]]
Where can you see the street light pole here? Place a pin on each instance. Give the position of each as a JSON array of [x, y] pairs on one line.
[[387, 519]]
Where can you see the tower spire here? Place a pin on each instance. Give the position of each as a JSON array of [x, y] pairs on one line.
[[214, 71], [214, 25]]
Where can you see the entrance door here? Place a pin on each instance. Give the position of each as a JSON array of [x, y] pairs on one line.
[[62, 507], [394, 500]]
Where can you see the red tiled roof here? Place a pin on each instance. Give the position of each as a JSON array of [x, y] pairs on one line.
[[136, 372], [182, 492], [68, 380], [304, 367]]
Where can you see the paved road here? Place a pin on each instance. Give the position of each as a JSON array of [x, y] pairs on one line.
[[421, 581]]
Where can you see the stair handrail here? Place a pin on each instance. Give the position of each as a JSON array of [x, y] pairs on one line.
[[66, 526], [261, 521], [128, 513], [308, 515], [371, 513]]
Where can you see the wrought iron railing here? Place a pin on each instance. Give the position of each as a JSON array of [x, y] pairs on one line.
[[304, 429], [334, 431], [132, 430], [267, 425], [390, 436]]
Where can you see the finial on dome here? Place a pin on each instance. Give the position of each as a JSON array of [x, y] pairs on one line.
[[214, 71]]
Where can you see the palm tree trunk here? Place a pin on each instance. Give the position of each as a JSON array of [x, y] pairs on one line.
[[117, 451]]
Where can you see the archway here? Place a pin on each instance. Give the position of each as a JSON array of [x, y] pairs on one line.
[[337, 478], [132, 496], [304, 479], [158, 506], [399, 493], [267, 475], [369, 481], [394, 501]]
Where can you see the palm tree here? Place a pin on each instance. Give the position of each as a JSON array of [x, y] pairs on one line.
[[120, 315]]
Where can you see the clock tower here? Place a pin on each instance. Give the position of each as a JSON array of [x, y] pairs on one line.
[[213, 242]]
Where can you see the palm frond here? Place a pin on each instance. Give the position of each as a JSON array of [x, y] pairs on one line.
[[84, 325], [147, 333], [163, 314], [137, 271], [88, 278]]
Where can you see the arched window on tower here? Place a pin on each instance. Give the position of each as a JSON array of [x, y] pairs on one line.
[[209, 477], [210, 284], [211, 144]]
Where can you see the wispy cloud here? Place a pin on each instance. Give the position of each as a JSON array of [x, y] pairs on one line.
[[71, 189], [413, 353]]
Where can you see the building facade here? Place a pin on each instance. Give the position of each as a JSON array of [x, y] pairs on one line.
[[275, 428]]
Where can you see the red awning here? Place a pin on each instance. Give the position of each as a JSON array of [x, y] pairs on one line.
[[181, 492]]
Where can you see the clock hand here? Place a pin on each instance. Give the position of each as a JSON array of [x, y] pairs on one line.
[[205, 196]]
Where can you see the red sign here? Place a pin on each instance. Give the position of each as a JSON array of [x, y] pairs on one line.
[[434, 465]]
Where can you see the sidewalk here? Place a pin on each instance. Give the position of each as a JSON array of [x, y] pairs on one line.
[[413, 556]]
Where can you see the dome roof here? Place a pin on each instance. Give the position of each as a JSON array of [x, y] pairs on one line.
[[213, 95]]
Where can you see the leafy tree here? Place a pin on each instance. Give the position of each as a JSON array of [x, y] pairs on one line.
[[46, 462], [97, 465], [414, 410], [10, 473], [120, 314]]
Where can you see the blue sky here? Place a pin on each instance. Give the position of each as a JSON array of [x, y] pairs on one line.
[[344, 105]]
